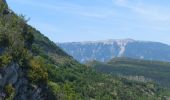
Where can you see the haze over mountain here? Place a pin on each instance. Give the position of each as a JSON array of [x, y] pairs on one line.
[[108, 49]]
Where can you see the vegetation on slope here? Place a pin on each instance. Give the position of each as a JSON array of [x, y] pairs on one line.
[[59, 76], [136, 69]]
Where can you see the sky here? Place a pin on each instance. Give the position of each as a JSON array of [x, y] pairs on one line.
[[91, 20]]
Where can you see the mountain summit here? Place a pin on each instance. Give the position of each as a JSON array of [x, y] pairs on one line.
[[107, 49]]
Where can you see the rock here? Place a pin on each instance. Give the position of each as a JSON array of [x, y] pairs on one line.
[[6, 11], [2, 50], [16, 76], [2, 96], [0, 76], [9, 75]]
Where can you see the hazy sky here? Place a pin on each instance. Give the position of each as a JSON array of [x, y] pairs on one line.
[[81, 20]]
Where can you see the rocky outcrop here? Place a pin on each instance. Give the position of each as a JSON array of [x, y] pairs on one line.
[[9, 75], [24, 90]]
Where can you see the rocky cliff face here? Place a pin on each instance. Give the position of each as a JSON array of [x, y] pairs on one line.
[[108, 49], [14, 82], [23, 90]]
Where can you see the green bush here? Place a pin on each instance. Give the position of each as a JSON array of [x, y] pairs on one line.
[[5, 59], [55, 89], [10, 91], [37, 72], [35, 49], [63, 92]]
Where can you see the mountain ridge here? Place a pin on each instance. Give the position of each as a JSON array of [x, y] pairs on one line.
[[105, 50], [110, 41]]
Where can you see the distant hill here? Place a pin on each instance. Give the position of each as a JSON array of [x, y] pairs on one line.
[[108, 49], [136, 68], [33, 68]]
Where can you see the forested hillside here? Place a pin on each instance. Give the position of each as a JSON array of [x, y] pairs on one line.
[[136, 69], [33, 68]]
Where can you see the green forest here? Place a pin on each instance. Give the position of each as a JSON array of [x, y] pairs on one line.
[[143, 70]]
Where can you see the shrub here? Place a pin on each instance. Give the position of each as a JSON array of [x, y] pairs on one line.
[[37, 72], [9, 90], [63, 92], [37, 49], [55, 89], [28, 36], [5, 60]]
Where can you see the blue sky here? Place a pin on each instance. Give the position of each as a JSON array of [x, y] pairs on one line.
[[86, 20]]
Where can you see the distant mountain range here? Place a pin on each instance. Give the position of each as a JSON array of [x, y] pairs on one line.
[[108, 49]]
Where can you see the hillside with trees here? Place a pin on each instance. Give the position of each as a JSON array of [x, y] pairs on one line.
[[33, 68], [136, 69]]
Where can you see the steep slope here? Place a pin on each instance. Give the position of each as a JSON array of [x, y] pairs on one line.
[[136, 69], [108, 49], [24, 57], [34, 68]]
